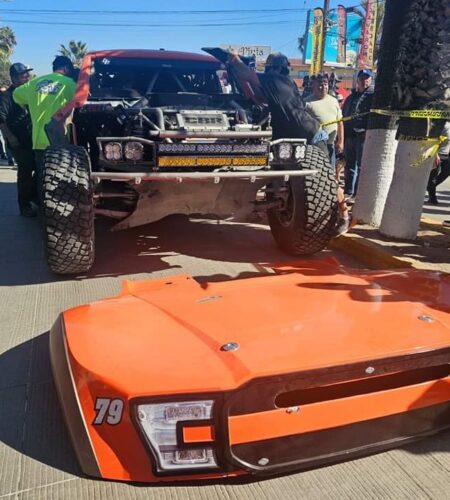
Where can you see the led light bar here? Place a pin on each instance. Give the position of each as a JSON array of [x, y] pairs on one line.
[[216, 148], [211, 161]]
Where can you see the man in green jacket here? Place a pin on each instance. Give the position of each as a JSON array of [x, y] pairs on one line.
[[44, 96]]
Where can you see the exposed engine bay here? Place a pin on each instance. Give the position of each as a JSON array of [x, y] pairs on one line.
[[220, 125], [147, 115]]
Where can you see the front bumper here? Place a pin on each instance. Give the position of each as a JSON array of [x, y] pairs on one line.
[[216, 177], [274, 425], [314, 418]]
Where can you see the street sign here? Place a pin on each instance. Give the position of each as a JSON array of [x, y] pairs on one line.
[[259, 51]]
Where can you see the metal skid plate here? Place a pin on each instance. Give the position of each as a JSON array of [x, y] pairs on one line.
[[231, 197]]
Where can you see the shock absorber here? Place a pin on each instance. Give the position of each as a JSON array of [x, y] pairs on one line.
[[138, 129]]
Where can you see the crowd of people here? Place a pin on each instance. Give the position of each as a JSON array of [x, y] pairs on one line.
[[26, 107], [321, 103]]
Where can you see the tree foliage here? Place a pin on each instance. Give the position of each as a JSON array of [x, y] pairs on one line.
[[7, 43], [75, 51]]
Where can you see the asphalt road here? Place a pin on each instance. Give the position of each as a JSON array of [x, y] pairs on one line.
[[36, 458]]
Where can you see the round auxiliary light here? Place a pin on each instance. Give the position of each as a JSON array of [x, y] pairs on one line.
[[134, 151]]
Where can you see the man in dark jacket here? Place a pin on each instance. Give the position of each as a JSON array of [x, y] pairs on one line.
[[290, 118], [15, 125], [358, 102]]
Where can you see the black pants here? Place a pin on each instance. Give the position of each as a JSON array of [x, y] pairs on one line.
[[438, 175], [38, 158], [26, 178]]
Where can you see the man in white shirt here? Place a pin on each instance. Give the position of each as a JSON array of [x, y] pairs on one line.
[[325, 108]]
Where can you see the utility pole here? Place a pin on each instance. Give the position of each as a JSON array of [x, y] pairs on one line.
[[326, 9]]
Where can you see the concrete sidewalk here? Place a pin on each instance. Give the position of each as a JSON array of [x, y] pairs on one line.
[[430, 250]]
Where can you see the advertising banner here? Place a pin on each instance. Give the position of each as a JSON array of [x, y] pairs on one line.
[[354, 26], [332, 37], [368, 35], [317, 42], [260, 52], [342, 39], [341, 34]]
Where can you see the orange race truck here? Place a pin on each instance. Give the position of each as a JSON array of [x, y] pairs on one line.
[[155, 133]]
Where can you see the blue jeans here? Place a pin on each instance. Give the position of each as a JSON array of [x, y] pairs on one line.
[[332, 153], [353, 153], [321, 135]]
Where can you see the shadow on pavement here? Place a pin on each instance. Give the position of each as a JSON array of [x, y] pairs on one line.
[[163, 245], [31, 420], [429, 246], [203, 238]]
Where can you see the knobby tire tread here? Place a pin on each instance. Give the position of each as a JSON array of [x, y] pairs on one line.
[[67, 209], [316, 208]]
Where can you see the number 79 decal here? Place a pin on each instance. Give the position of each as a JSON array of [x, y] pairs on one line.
[[108, 410]]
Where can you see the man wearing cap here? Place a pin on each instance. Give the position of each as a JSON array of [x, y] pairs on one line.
[[357, 103], [15, 125], [290, 119], [44, 96]]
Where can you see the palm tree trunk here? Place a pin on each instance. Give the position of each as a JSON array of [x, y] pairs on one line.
[[422, 82], [401, 217], [380, 145]]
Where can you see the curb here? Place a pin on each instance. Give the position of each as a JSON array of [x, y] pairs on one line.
[[434, 225], [368, 252], [376, 256]]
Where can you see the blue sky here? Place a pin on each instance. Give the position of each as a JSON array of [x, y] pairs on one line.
[[38, 43]]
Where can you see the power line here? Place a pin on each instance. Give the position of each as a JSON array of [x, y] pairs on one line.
[[158, 25], [160, 12], [141, 12]]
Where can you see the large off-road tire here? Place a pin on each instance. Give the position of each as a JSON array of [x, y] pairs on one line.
[[67, 209], [307, 222]]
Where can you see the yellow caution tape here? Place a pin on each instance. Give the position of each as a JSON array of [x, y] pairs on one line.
[[430, 145], [429, 148], [414, 113], [344, 119], [440, 138]]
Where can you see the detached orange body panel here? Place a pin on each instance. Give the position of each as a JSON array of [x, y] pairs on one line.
[[304, 367]]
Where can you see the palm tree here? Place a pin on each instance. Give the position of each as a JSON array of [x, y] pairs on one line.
[[75, 51], [7, 44], [420, 82], [7, 41], [380, 145]]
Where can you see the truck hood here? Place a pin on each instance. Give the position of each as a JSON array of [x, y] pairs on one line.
[[168, 336]]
